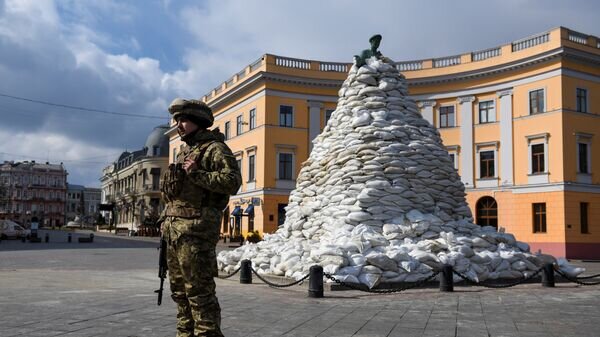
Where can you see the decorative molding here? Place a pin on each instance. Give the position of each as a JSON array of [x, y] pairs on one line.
[[494, 143], [250, 148], [504, 92], [426, 103], [465, 99], [314, 104], [544, 135]]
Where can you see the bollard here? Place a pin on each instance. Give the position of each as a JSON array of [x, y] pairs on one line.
[[69, 237], [446, 279], [315, 282], [548, 275], [91, 237], [23, 238], [46, 238], [246, 272]]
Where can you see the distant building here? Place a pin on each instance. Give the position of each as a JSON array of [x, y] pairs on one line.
[[131, 183], [74, 201], [33, 192], [91, 204], [82, 204]]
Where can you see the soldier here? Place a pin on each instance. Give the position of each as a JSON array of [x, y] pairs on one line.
[[196, 189]]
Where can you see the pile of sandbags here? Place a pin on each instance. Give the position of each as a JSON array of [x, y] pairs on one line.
[[379, 199]]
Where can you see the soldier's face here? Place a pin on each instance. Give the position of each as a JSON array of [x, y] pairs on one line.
[[185, 126]]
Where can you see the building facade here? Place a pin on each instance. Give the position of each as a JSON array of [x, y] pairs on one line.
[[91, 204], [74, 202], [33, 192], [521, 121], [132, 182]]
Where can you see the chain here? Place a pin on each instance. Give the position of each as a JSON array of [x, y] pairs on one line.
[[279, 285], [383, 291], [496, 286], [575, 279], [587, 277], [230, 275]]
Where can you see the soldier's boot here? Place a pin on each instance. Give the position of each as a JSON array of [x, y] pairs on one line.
[[207, 316], [185, 320]]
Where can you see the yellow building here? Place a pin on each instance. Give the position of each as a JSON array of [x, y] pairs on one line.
[[521, 121]]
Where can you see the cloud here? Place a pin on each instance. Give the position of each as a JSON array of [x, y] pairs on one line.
[[135, 57]]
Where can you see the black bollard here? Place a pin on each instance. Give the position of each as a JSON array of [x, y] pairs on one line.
[[23, 238], [446, 279], [246, 272], [91, 237], [315, 282], [46, 238], [69, 237], [548, 275]]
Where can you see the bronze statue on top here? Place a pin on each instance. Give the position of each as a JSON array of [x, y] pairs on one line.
[[361, 60]]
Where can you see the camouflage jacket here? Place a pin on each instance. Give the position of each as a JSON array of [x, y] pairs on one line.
[[215, 178]]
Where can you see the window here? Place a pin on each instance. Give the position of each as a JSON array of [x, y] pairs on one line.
[[583, 216], [281, 214], [486, 164], [487, 212], [582, 165], [252, 119], [581, 100], [227, 130], [536, 101], [251, 163], [286, 116], [285, 166], [328, 114], [537, 159], [155, 150], [238, 122], [446, 116], [239, 163], [539, 218], [487, 113]]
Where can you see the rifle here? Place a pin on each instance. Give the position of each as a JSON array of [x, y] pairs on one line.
[[162, 267]]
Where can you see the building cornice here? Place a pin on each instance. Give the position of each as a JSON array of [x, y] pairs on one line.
[[493, 70]]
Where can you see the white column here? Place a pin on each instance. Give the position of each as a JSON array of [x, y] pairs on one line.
[[314, 121], [466, 140], [506, 137], [427, 110]]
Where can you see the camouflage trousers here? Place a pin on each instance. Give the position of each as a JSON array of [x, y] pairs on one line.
[[192, 267]]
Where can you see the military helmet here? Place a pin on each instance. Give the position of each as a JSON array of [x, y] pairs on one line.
[[196, 111]]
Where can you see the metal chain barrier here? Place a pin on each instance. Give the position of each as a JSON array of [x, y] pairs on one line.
[[587, 277], [230, 275], [575, 279], [279, 285], [383, 291], [497, 286]]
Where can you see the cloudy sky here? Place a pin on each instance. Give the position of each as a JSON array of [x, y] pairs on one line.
[[124, 61]]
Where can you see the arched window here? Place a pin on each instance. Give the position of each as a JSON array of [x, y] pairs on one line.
[[487, 212]]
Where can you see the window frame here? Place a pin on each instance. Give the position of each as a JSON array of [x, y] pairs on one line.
[[227, 130], [252, 167], [541, 216], [284, 122], [280, 167], [453, 120], [488, 110], [239, 125], [488, 167], [585, 98], [543, 101], [535, 158], [252, 119]]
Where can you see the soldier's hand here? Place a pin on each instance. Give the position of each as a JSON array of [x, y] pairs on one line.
[[189, 165]]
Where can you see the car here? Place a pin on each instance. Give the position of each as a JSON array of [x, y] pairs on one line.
[[11, 229]]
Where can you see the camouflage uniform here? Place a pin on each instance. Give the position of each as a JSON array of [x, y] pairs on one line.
[[192, 217]]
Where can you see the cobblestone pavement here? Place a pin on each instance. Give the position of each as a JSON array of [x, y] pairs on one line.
[[106, 289]]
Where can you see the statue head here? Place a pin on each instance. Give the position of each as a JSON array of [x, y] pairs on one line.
[[375, 40]]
